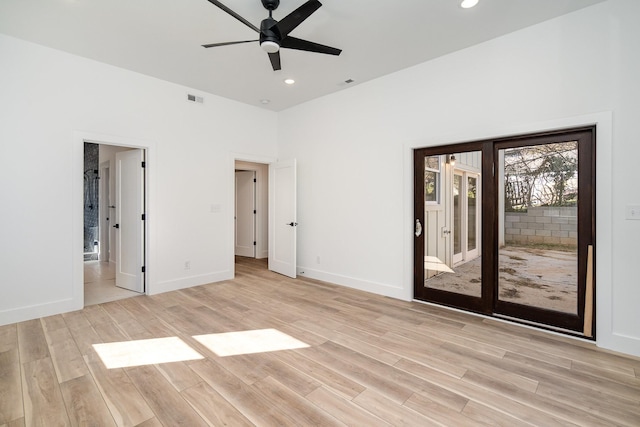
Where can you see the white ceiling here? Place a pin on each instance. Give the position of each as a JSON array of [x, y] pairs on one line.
[[163, 38]]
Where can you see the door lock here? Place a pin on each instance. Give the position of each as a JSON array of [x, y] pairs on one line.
[[116, 226]]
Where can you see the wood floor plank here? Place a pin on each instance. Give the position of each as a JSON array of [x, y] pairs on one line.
[[249, 401], [543, 404], [213, 408], [10, 386], [117, 312], [15, 423], [76, 320], [343, 409], [179, 375], [153, 422], [622, 411], [31, 341], [546, 372], [482, 395], [96, 315], [396, 415], [302, 411], [8, 337], [84, 402], [43, 403], [53, 323], [364, 371], [484, 415], [329, 378], [167, 404], [65, 355], [85, 338], [126, 404], [438, 413]]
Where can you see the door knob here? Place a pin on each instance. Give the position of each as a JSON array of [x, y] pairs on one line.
[[116, 226], [418, 228], [292, 224]]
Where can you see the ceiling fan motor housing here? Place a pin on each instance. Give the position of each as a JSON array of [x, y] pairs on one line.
[[269, 35]]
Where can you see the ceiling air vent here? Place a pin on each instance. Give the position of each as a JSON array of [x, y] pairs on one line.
[[194, 98]]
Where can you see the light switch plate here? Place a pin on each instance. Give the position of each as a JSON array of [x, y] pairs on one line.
[[633, 212]]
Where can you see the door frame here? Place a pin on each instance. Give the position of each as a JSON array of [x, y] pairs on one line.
[[104, 198], [79, 138], [467, 255], [249, 158], [489, 303]]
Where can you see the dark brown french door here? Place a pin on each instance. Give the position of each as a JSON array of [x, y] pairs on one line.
[[506, 227]]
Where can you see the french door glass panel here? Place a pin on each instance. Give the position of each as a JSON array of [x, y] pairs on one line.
[[447, 268], [538, 257]]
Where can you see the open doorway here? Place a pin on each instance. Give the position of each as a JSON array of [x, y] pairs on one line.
[[251, 214], [113, 222]]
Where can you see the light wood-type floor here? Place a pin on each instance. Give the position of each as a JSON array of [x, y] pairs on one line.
[[367, 360], [100, 283]]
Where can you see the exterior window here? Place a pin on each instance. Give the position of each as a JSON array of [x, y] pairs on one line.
[[432, 180]]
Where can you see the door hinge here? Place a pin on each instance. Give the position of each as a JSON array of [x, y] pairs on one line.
[[255, 180], [143, 268], [143, 217], [254, 212], [144, 164]]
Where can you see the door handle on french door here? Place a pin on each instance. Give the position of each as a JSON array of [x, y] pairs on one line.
[[418, 228], [292, 224], [116, 226]]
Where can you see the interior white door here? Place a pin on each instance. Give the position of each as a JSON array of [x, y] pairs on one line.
[[245, 228], [129, 222], [282, 217]]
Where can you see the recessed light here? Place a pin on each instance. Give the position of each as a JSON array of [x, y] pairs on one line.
[[466, 4], [289, 81]]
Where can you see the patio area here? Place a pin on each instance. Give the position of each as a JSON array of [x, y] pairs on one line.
[[528, 275]]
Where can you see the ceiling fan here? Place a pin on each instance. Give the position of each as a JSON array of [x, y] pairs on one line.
[[275, 34]]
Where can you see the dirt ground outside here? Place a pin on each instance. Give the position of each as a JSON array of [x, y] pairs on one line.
[[545, 278]]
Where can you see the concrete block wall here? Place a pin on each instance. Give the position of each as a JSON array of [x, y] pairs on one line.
[[548, 225]]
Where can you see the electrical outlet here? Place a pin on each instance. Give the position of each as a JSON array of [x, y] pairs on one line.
[[187, 265], [633, 212]]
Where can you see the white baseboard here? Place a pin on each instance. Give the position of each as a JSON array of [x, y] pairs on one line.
[[354, 283], [188, 282], [40, 310]]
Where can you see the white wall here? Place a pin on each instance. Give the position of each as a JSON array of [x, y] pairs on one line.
[[49, 102], [354, 149]]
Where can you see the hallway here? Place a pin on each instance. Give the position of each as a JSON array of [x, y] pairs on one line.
[[100, 284]]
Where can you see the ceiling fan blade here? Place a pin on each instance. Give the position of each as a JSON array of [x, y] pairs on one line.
[[235, 15], [227, 43], [275, 60], [295, 18], [299, 44]]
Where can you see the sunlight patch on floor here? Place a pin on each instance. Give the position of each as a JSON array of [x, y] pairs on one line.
[[249, 342], [145, 352]]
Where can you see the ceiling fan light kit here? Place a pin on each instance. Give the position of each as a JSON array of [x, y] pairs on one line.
[[274, 35]]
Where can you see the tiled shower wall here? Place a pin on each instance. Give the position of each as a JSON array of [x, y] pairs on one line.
[[91, 186]]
